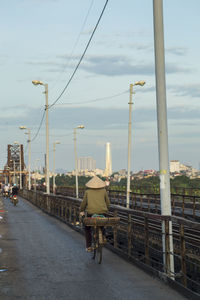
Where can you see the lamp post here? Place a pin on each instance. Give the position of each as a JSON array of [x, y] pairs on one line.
[[54, 150], [37, 82], [141, 83], [165, 195], [20, 165], [14, 172], [75, 154], [29, 154], [35, 167]]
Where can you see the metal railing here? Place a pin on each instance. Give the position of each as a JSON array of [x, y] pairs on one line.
[[186, 205], [138, 237]]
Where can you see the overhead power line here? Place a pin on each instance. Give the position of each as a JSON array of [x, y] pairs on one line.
[[77, 40], [82, 56], [38, 127], [93, 100]]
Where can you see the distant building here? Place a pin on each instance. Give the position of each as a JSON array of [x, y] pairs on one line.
[[108, 169], [174, 166], [122, 172], [86, 163], [178, 169]]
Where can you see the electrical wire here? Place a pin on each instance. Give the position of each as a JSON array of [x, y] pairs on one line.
[[75, 68], [82, 56], [55, 135], [26, 148], [76, 42], [94, 100], [38, 127], [77, 103]]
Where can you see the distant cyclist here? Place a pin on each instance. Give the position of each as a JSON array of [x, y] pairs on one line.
[[15, 189], [6, 190], [95, 201]]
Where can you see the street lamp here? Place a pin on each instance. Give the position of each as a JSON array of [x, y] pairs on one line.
[[54, 150], [20, 165], [75, 153], [141, 83], [37, 82], [29, 154]]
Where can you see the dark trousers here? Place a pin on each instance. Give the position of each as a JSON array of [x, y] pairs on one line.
[[88, 234]]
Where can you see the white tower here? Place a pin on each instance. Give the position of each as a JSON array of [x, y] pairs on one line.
[[108, 170]]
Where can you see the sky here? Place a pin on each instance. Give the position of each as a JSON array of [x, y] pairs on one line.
[[45, 39]]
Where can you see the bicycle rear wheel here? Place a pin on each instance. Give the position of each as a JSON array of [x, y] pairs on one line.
[[100, 245], [99, 254], [94, 243]]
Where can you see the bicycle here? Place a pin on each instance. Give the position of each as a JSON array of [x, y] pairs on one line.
[[97, 222]]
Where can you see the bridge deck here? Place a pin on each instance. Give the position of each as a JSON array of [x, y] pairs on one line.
[[46, 259]]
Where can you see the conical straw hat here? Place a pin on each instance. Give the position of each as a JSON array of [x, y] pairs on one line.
[[95, 183]]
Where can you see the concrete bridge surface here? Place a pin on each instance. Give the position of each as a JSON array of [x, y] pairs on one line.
[[42, 258]]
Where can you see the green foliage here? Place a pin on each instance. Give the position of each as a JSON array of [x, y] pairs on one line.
[[179, 184], [64, 180], [180, 181]]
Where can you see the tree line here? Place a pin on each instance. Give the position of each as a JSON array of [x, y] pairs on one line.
[[144, 185]]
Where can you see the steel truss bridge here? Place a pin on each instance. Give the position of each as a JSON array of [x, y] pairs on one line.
[[15, 166]]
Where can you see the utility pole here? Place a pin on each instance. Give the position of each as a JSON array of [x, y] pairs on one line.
[[20, 167], [129, 147], [76, 167], [37, 82], [54, 165], [128, 190], [47, 138], [162, 127], [75, 155]]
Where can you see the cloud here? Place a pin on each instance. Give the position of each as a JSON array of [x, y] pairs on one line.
[[94, 118], [87, 32], [192, 90], [20, 115], [122, 65], [136, 46], [108, 65], [177, 51]]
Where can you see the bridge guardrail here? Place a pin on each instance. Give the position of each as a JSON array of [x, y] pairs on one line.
[[183, 204]]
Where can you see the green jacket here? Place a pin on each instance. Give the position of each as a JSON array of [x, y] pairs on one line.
[[95, 201]]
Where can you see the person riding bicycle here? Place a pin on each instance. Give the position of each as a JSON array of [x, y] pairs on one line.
[[6, 189], [95, 201], [14, 189]]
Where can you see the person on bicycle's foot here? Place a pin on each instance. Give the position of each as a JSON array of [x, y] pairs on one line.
[[95, 201]]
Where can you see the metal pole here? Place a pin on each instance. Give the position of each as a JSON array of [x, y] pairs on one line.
[[35, 169], [35, 179], [20, 168], [76, 171], [47, 139], [54, 149], [162, 124], [14, 172], [29, 159], [129, 148], [45, 168]]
